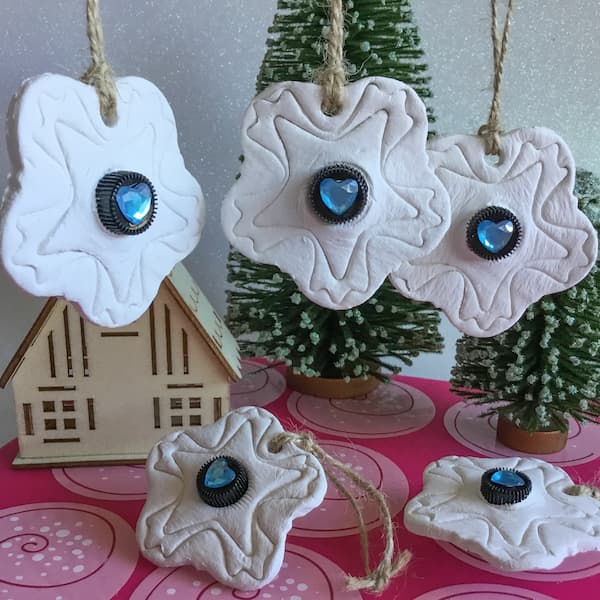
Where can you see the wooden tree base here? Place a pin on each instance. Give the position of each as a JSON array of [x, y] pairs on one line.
[[331, 388], [538, 442]]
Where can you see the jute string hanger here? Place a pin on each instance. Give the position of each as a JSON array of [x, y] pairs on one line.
[[392, 562], [334, 75], [491, 130], [99, 73], [584, 490]]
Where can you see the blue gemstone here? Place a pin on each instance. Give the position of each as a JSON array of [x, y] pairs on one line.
[[219, 474], [338, 195], [508, 479], [135, 202], [495, 236]]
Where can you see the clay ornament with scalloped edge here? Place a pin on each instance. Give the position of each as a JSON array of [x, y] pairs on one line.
[[516, 232], [337, 202], [538, 532], [105, 248], [253, 495]]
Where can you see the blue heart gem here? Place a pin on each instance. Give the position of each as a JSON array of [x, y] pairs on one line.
[[219, 474], [494, 237], [339, 195], [507, 479], [135, 202]]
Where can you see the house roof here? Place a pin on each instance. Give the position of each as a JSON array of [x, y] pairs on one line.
[[208, 322], [17, 359], [194, 304]]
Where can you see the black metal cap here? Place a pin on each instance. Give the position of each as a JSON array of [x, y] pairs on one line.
[[505, 486], [339, 172], [228, 494], [109, 212], [494, 214]]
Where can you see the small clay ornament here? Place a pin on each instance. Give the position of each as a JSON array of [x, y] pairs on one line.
[[336, 201], [516, 233], [517, 514], [98, 214], [221, 500]]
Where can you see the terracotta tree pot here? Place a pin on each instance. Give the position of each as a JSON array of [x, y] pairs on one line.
[[538, 442], [331, 388]]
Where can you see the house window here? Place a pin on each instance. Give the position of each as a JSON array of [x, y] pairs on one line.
[[177, 421], [176, 403], [195, 420], [60, 415], [195, 402]]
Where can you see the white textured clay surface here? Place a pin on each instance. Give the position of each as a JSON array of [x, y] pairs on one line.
[[242, 545], [53, 243], [537, 533], [287, 140], [534, 180]]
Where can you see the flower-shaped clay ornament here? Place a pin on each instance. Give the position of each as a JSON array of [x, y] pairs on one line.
[[516, 233], [94, 213], [515, 513], [337, 202], [220, 500]]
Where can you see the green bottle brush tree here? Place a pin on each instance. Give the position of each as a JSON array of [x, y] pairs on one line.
[[546, 368], [267, 313]]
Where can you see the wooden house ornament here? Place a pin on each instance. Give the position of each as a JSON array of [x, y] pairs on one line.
[[86, 394]]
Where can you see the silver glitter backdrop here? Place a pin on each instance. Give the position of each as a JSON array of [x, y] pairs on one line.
[[204, 55]]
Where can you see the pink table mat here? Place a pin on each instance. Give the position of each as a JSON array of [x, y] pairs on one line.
[[68, 534]]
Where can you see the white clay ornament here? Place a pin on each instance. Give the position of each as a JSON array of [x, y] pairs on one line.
[[220, 500], [516, 233], [337, 202], [94, 213], [515, 513]]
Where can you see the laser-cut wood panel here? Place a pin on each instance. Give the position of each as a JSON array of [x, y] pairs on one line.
[[96, 395]]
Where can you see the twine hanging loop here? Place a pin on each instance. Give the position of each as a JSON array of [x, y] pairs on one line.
[[99, 73], [584, 490], [491, 130], [392, 562], [333, 76]]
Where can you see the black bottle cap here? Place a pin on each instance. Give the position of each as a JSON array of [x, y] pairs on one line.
[[222, 481], [120, 215], [505, 486]]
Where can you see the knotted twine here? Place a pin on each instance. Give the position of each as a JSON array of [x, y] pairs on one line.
[[333, 76], [491, 130], [99, 73], [377, 579], [584, 490]]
